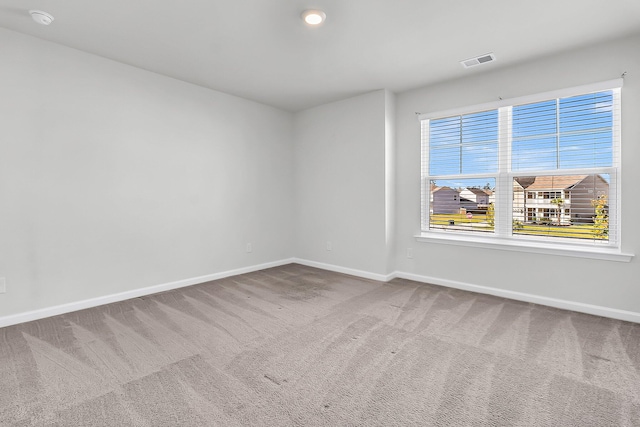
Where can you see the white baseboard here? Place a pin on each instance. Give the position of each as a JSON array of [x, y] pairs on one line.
[[135, 293], [597, 310], [345, 270], [613, 313]]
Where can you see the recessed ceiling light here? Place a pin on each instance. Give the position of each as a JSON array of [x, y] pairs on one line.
[[313, 17], [41, 17]]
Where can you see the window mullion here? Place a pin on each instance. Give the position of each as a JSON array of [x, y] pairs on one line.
[[425, 182], [503, 203], [558, 133]]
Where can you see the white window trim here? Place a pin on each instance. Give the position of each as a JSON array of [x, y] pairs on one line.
[[529, 245], [503, 239], [539, 97]]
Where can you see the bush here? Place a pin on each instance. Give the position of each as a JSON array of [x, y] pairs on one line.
[[601, 219], [491, 215]]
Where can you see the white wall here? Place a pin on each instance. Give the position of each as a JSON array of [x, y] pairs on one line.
[[113, 178], [603, 283], [340, 183]]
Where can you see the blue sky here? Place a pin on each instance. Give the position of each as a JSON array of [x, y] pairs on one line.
[[577, 134], [464, 144]]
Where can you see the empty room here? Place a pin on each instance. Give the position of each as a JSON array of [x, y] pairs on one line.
[[328, 213]]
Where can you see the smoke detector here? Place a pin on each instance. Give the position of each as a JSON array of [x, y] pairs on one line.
[[41, 17], [478, 60]]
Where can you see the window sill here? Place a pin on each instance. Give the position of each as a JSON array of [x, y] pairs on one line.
[[603, 253]]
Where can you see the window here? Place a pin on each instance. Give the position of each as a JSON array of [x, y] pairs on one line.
[[531, 214], [541, 168], [550, 195]]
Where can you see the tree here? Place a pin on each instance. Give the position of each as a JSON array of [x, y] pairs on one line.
[[559, 203], [601, 219], [491, 215]]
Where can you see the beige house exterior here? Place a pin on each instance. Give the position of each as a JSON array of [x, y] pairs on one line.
[[478, 196], [561, 199]]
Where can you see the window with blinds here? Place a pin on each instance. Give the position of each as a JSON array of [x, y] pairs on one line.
[[536, 168]]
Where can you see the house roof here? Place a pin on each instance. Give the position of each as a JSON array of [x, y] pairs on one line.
[[434, 189], [476, 191], [560, 182], [480, 191]]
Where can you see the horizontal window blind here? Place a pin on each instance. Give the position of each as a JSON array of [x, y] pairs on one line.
[[566, 206], [568, 133], [464, 144], [538, 170]]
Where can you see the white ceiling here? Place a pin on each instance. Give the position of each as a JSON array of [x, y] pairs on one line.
[[261, 49]]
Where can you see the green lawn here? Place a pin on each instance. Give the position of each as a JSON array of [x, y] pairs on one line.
[[479, 223], [476, 223], [578, 231], [443, 219]]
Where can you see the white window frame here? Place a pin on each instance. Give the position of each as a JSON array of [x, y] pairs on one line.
[[503, 237]]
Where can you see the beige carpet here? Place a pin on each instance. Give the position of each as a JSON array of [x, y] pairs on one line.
[[299, 346]]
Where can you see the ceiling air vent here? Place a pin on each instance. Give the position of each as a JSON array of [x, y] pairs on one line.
[[478, 60]]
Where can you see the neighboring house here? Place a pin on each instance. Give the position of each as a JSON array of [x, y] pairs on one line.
[[478, 196], [467, 205], [518, 201], [533, 202], [445, 200]]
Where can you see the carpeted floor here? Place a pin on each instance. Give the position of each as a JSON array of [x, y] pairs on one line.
[[299, 346]]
